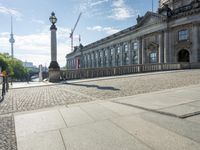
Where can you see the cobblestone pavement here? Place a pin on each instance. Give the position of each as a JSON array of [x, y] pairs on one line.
[[120, 87], [7, 133], [32, 98]]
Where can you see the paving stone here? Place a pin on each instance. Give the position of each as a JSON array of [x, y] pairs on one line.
[[195, 103], [156, 137], [38, 121], [26, 99], [75, 116], [51, 140], [121, 109], [195, 119], [177, 125], [185, 94], [182, 110], [98, 112], [100, 136], [7, 133]]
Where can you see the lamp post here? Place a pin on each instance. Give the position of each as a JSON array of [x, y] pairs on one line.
[[54, 69]]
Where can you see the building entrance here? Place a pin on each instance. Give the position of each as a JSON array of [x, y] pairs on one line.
[[184, 56]]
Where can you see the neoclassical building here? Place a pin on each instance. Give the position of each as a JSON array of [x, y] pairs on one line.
[[171, 35]]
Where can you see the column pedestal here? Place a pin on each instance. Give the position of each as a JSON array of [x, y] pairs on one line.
[[54, 74]]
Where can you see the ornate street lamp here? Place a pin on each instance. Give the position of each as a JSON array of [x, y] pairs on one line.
[[54, 69]]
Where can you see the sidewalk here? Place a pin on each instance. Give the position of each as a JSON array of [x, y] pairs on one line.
[[166, 120], [16, 85]]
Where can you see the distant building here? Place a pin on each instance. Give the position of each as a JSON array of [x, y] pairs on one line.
[[171, 35], [28, 64]]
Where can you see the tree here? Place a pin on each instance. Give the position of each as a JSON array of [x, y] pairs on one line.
[[3, 62], [13, 66]]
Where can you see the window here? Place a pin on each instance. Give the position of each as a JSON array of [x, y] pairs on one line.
[[153, 57], [126, 48], [135, 57], [135, 46], [183, 35], [112, 51], [126, 59], [118, 50]]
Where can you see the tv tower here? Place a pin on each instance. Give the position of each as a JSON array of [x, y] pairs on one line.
[[12, 40]]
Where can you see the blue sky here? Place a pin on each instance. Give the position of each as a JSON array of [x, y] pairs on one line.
[[99, 19]]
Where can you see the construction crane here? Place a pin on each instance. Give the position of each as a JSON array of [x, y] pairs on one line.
[[72, 31]]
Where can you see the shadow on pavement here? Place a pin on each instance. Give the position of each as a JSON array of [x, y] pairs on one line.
[[95, 86]]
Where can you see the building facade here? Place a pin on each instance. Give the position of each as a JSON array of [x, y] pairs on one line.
[[171, 35]]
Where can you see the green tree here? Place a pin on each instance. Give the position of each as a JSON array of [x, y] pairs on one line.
[[13, 66]]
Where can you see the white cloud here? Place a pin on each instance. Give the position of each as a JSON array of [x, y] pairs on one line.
[[98, 2], [120, 11], [107, 30], [38, 21], [91, 8], [36, 47], [10, 11]]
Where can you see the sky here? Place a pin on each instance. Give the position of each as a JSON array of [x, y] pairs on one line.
[[99, 19]]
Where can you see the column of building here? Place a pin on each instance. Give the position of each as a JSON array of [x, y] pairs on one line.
[[143, 51], [140, 51], [121, 45], [195, 43], [166, 46], [129, 52], [109, 57], [113, 55], [161, 47], [97, 58]]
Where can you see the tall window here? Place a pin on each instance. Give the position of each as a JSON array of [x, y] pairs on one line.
[[125, 55], [153, 57], [135, 48], [126, 48], [183, 35]]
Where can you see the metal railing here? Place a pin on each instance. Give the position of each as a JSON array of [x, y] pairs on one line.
[[113, 71]]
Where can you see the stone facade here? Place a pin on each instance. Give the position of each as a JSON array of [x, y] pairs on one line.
[[171, 35]]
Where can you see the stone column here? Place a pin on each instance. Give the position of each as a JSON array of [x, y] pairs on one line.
[[54, 69], [97, 59], [166, 46], [140, 51], [121, 54], [161, 47], [129, 53], [143, 51], [93, 59], [195, 44], [114, 56], [108, 57], [40, 73]]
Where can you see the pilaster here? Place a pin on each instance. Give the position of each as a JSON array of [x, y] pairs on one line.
[[161, 47], [195, 44], [129, 53], [166, 46]]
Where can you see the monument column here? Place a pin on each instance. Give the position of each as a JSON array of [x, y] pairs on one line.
[[54, 69]]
